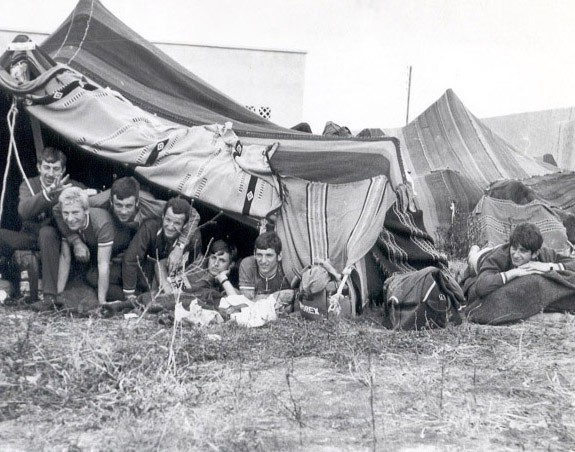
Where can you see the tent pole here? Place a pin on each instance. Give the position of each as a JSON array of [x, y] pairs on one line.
[[37, 134], [408, 96]]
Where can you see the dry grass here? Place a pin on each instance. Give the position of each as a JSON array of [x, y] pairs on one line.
[[105, 384]]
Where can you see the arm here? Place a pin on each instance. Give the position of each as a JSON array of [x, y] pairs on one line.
[[63, 266], [222, 278], [247, 278], [492, 274], [31, 205], [161, 273], [557, 260], [101, 200], [189, 239], [136, 254], [104, 255]]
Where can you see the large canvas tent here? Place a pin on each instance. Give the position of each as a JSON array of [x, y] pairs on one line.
[[453, 156], [119, 105]]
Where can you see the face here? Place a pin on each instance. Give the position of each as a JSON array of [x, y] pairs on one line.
[[520, 255], [267, 261], [124, 209], [50, 171], [173, 223], [75, 216], [218, 263]]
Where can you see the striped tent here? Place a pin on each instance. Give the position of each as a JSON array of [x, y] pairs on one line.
[[452, 158]]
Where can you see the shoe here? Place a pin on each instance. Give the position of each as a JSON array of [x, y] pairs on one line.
[[49, 303]]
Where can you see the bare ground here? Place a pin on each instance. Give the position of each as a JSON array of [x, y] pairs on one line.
[[75, 384]]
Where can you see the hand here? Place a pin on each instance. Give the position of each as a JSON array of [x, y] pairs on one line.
[[59, 184], [538, 267], [81, 251], [222, 276], [175, 260], [523, 271], [284, 300]]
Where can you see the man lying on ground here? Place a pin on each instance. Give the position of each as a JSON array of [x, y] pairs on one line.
[[262, 274], [523, 255], [208, 280]]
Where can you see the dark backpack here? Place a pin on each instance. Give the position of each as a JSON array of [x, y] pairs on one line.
[[427, 298]]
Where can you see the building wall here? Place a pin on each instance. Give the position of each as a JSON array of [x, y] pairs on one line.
[[269, 82]]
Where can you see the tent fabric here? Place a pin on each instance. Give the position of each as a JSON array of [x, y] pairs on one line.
[[339, 222], [493, 220], [447, 136], [404, 245], [99, 46], [192, 161], [557, 189]]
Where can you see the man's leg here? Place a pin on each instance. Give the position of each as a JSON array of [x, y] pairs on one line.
[[49, 244], [11, 241], [16, 240]]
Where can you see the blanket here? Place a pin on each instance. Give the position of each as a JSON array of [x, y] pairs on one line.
[[403, 244], [524, 297]]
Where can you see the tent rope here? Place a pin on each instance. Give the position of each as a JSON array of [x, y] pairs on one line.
[[85, 32], [11, 126], [67, 32], [12, 148]]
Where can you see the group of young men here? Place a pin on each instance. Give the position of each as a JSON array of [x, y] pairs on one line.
[[126, 242]]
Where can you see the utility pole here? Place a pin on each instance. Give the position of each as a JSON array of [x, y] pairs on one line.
[[408, 96]]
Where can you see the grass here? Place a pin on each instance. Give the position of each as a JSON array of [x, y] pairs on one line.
[[106, 384]]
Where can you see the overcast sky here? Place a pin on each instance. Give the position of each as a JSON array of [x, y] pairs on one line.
[[499, 56]]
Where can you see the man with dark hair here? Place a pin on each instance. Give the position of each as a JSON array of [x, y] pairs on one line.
[[37, 196], [152, 245], [262, 273], [210, 281], [523, 255]]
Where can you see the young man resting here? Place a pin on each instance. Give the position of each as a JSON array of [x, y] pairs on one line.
[[149, 249], [523, 255]]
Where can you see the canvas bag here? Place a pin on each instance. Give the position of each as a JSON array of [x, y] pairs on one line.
[[314, 297], [426, 298]]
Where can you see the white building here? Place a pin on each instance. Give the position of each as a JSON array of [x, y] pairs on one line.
[[268, 82]]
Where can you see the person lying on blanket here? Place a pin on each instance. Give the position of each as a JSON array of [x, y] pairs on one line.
[[209, 280], [523, 255], [262, 274]]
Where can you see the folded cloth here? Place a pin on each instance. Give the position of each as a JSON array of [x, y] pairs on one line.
[[253, 313], [196, 315], [524, 297]]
